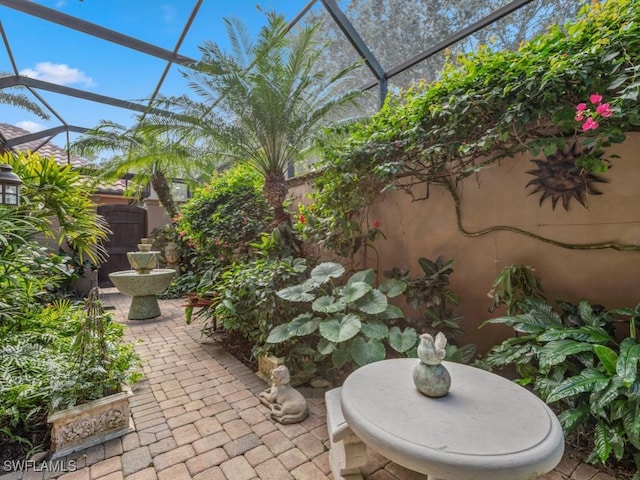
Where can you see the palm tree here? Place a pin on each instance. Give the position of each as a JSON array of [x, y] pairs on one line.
[[261, 104], [21, 101], [149, 157]]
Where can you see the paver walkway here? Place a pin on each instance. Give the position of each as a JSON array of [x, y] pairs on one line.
[[197, 416]]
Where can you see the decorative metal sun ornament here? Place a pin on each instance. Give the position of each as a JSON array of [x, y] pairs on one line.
[[557, 177]]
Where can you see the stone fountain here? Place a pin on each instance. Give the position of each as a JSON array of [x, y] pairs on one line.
[[143, 282]]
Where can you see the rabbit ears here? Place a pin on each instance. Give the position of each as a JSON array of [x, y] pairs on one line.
[[441, 341]]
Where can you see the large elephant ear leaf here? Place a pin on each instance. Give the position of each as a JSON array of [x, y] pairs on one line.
[[367, 276], [340, 356], [402, 341], [364, 352], [297, 293], [302, 325], [373, 303], [393, 287], [392, 312], [328, 304], [354, 291], [325, 347], [341, 327], [375, 330], [327, 270]]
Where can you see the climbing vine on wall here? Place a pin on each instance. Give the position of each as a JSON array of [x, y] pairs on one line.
[[490, 105]]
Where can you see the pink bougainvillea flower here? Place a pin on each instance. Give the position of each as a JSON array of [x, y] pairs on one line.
[[595, 98], [589, 124], [604, 109], [579, 117], [581, 107], [376, 224]]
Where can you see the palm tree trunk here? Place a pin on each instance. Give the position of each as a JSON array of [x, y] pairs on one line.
[[275, 192], [162, 187]]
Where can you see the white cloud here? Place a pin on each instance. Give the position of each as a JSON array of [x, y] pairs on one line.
[[168, 13], [30, 126], [58, 73]]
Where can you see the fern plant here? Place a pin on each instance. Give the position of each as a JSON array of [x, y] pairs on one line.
[[572, 360]]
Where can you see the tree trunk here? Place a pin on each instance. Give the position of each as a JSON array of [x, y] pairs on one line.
[[275, 192], [162, 187]]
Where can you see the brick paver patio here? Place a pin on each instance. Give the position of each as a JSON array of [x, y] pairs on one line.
[[197, 416]]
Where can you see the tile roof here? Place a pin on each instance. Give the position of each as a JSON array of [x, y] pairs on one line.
[[48, 149]]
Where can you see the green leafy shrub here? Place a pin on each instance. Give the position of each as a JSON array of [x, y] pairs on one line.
[[47, 361], [222, 218], [512, 286], [58, 191], [56, 361], [430, 295], [572, 360], [245, 300], [345, 323], [487, 106]]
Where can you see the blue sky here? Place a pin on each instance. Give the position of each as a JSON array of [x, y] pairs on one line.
[[57, 54]]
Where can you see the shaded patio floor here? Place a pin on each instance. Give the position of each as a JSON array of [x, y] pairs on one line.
[[197, 416]]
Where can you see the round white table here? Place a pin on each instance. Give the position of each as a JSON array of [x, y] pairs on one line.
[[485, 428]]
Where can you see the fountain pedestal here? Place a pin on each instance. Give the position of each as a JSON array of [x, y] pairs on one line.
[[143, 283]]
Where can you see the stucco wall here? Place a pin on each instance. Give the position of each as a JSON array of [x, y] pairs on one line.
[[498, 197]]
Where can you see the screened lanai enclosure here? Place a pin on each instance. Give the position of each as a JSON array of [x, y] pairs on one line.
[[46, 45]]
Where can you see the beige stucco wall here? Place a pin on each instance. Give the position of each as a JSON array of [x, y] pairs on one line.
[[498, 197]]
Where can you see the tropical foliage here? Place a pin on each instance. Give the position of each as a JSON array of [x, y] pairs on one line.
[[54, 354], [17, 99], [225, 216], [55, 191], [347, 323], [512, 286], [431, 296], [572, 359], [261, 103], [149, 158], [489, 105], [245, 300]]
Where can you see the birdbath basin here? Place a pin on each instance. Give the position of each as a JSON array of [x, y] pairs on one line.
[[144, 261], [143, 287]]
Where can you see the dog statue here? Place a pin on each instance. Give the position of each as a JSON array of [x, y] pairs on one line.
[[286, 403]]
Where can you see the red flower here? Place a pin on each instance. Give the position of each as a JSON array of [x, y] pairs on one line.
[[303, 219], [604, 109], [376, 224], [589, 124]]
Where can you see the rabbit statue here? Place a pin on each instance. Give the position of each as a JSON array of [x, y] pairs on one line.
[[429, 376]]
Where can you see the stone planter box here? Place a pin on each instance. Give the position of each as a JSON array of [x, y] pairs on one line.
[[90, 423], [266, 364]]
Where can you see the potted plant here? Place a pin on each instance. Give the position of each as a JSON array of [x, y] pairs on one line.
[[98, 401]]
